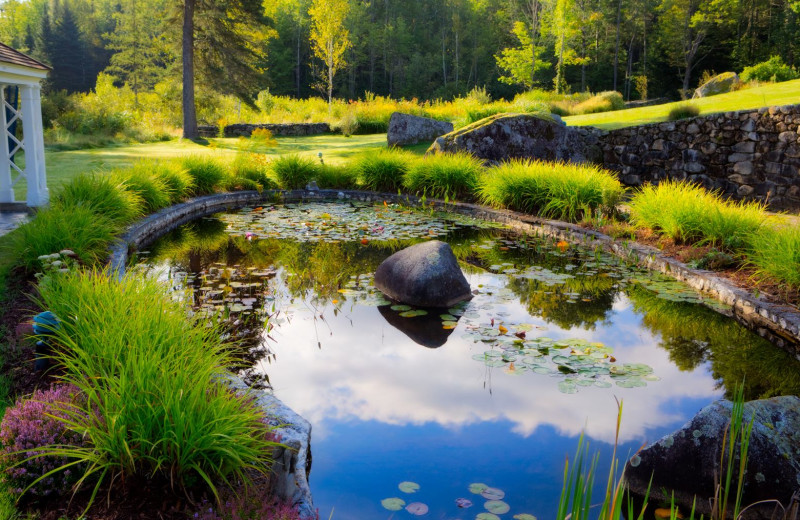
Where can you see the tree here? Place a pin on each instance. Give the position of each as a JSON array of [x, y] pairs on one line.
[[330, 39], [230, 38], [521, 63], [141, 53]]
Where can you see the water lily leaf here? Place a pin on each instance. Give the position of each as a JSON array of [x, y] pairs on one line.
[[417, 508], [449, 324], [497, 507], [477, 488], [567, 387], [524, 516], [400, 307], [487, 516], [408, 487], [413, 314], [393, 504], [448, 317], [491, 493], [463, 503]]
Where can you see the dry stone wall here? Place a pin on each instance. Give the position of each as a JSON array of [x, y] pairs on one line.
[[277, 129], [749, 155]]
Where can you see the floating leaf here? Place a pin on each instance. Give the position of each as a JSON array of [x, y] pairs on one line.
[[413, 314], [400, 307], [417, 508], [524, 516], [393, 504], [487, 516], [408, 487], [497, 507], [491, 493], [448, 317], [477, 488]]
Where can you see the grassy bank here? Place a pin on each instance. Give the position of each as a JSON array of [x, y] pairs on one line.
[[771, 94]]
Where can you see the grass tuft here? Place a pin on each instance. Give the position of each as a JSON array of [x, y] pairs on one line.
[[102, 194], [294, 172], [207, 173], [140, 180], [775, 253], [383, 170], [445, 176], [555, 190], [683, 111]]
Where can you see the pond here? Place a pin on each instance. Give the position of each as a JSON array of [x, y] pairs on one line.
[[432, 406]]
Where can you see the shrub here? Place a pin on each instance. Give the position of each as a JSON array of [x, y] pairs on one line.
[[602, 102], [206, 173], [154, 377], [28, 426], [683, 111], [77, 228], [688, 213], [559, 190], [774, 69], [775, 254], [294, 172], [453, 176], [104, 195], [331, 176], [383, 170], [140, 180]]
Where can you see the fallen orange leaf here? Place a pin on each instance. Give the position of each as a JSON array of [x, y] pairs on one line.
[[502, 329]]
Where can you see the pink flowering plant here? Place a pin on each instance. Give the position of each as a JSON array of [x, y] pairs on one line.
[[27, 427]]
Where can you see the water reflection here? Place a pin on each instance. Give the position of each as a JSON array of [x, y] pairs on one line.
[[423, 330]]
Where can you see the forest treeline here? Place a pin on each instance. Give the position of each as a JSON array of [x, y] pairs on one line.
[[427, 49]]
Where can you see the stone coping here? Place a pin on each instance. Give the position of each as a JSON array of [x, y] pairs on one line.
[[778, 323]]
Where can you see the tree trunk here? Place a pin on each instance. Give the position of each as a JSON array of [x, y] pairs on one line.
[[616, 47], [189, 114], [297, 63]]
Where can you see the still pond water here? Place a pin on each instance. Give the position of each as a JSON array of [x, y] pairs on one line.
[[495, 391]]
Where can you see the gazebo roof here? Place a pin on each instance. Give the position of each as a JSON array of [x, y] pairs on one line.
[[14, 57]]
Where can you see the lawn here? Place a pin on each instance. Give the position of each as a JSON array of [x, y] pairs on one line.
[[771, 94], [64, 165]]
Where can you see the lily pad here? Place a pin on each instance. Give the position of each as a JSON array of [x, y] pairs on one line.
[[393, 504], [497, 507], [491, 493], [408, 487], [417, 508], [487, 516], [524, 516], [477, 488], [400, 307], [414, 313]]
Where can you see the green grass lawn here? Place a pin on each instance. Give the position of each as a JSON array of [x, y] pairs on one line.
[[64, 165], [772, 94]]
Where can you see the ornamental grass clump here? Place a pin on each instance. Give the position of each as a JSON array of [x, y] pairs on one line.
[[140, 180], [207, 174], [689, 213], [154, 379], [383, 170], [294, 172], [77, 228], [332, 176], [252, 167], [28, 426], [775, 253], [446, 176], [102, 194], [564, 191], [174, 176]]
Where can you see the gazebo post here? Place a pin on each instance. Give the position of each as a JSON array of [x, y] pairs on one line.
[[35, 173], [6, 189]]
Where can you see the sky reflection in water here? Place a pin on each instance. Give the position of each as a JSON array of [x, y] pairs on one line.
[[385, 409]]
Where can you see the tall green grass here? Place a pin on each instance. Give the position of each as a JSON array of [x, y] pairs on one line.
[[775, 253], [383, 170], [689, 213], [445, 176], [564, 191], [152, 189], [104, 195], [207, 174], [77, 228], [255, 168], [294, 172], [156, 405], [174, 176], [332, 176]]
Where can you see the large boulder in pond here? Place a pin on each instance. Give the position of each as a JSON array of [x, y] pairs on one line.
[[407, 129], [719, 84], [423, 275], [687, 460], [424, 330], [507, 136]]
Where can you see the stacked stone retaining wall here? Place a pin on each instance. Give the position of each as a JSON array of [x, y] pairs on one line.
[[282, 129], [749, 155]]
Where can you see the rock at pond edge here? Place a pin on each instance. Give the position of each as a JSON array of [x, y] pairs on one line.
[[423, 275], [685, 461], [406, 129]]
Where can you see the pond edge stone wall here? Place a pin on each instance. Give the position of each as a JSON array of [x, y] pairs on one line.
[[277, 129], [778, 323]]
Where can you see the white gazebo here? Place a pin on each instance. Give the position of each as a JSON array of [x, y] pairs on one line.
[[20, 78]]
